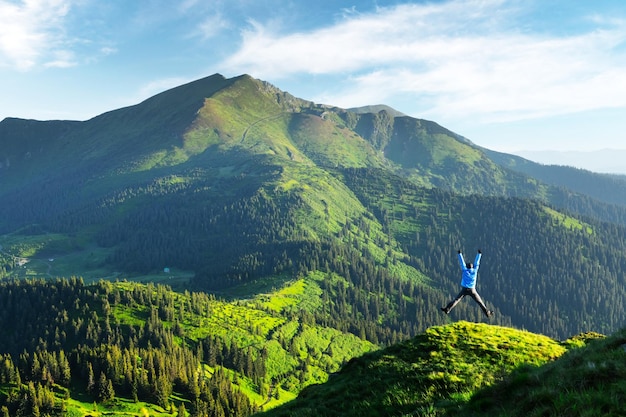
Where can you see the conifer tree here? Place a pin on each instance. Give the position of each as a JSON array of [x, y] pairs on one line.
[[105, 389]]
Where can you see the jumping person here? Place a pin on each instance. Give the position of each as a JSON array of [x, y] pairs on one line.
[[468, 284]]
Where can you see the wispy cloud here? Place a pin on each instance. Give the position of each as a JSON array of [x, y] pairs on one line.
[[206, 19], [29, 30], [460, 58], [212, 25], [61, 59]]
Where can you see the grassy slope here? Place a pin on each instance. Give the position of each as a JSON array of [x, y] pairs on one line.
[[83, 406], [246, 116], [590, 381], [264, 323], [431, 374]]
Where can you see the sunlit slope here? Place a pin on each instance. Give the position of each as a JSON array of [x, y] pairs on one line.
[[260, 348], [425, 375], [256, 117], [590, 381]]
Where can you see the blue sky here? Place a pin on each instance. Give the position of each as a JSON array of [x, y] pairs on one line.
[[507, 74]]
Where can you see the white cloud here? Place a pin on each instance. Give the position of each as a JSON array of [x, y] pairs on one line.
[[29, 29], [212, 25], [108, 50], [61, 59], [208, 19], [460, 58]]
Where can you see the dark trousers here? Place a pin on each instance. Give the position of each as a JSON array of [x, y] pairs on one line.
[[472, 293]]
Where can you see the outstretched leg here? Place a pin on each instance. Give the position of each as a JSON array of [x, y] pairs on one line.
[[474, 294], [451, 304]]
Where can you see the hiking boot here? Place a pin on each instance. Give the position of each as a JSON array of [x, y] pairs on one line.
[[489, 313], [445, 310]]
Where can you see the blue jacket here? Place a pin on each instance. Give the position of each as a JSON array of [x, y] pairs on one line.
[[468, 279]]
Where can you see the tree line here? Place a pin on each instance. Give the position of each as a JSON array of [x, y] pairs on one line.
[[64, 334]]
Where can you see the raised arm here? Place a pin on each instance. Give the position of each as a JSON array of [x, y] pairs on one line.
[[461, 261], [477, 260]]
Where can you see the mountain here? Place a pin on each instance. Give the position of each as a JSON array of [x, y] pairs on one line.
[[231, 185], [376, 109]]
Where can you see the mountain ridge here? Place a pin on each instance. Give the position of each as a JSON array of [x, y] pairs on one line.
[[180, 108]]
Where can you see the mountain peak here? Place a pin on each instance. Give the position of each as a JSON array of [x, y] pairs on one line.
[[376, 109]]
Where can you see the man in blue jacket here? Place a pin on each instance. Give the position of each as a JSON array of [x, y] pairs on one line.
[[468, 284]]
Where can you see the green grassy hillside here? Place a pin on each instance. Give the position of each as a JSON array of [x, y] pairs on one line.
[[465, 368], [588, 381], [103, 348]]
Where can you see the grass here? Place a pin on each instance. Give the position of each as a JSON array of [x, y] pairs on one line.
[[261, 323], [279, 396], [83, 406], [568, 222], [287, 297], [318, 139], [328, 202], [431, 374], [57, 256], [117, 407], [467, 369], [586, 381]]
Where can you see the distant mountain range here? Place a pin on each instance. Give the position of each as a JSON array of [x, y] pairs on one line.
[[608, 161]]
